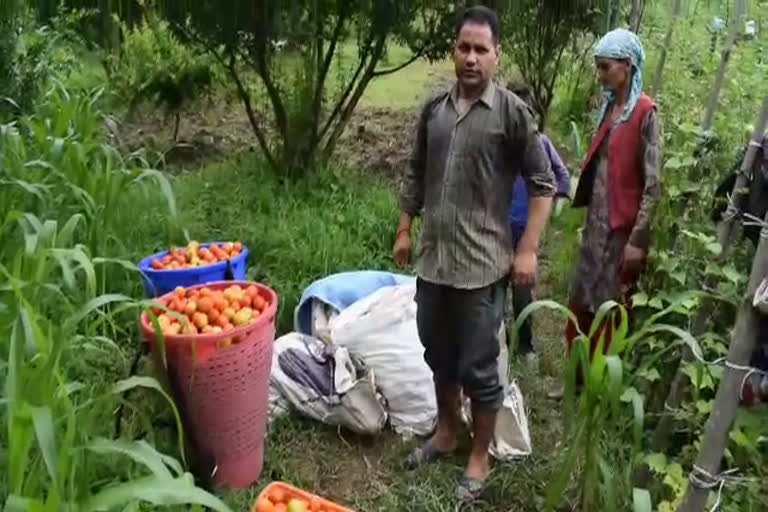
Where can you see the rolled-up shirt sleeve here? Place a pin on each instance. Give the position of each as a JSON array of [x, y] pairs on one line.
[[531, 160], [641, 232], [559, 168], [412, 185]]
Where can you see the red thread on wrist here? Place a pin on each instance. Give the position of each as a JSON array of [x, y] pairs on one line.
[[403, 230]]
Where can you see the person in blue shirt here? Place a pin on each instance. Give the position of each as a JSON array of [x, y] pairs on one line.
[[522, 295]]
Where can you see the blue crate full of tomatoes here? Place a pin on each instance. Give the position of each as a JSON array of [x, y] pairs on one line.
[[197, 263]]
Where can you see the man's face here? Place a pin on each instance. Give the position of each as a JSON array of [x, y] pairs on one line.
[[475, 56]]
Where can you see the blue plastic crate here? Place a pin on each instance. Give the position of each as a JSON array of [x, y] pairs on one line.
[[160, 282]]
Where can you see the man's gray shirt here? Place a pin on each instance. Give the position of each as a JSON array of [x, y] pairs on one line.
[[459, 179]]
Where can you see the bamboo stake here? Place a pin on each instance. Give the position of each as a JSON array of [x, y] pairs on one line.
[[667, 43], [636, 15], [725, 57], [724, 233], [726, 404]]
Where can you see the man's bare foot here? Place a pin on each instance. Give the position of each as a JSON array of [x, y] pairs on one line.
[[444, 440], [478, 466]]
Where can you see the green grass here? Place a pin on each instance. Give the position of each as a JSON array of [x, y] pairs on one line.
[[343, 221], [408, 87], [295, 233]]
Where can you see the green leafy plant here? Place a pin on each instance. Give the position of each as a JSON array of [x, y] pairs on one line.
[[153, 66], [601, 384], [61, 300]]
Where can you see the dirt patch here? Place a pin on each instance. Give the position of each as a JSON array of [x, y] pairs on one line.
[[377, 139], [210, 130]]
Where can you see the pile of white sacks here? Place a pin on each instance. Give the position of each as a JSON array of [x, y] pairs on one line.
[[355, 360]]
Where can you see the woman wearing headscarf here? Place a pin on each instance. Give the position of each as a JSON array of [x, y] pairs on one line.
[[619, 184]]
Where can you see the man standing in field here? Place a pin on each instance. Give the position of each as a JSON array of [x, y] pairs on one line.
[[471, 144]]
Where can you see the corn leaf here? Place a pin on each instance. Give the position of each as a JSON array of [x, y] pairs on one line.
[[67, 232], [139, 451], [128, 265], [94, 304], [154, 490], [560, 483], [165, 187], [66, 269], [46, 437], [681, 334], [608, 483], [641, 500], [16, 503], [150, 383]]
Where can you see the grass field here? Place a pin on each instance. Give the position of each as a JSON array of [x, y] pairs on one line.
[[344, 220]]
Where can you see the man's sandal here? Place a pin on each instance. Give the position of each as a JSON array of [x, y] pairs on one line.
[[427, 453], [470, 489]]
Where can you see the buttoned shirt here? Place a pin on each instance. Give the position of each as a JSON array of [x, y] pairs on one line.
[[459, 179]]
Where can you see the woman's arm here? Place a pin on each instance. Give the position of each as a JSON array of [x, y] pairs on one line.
[[651, 144]]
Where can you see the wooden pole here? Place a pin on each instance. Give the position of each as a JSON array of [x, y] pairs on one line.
[[727, 399], [725, 57], [724, 233], [636, 15], [667, 43]]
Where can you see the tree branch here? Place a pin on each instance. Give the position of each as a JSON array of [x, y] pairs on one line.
[[378, 50], [246, 99], [317, 101], [262, 69], [350, 87], [416, 56]]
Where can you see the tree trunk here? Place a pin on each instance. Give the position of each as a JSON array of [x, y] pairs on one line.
[[733, 31], [664, 49], [664, 428], [609, 16], [636, 15], [726, 404]]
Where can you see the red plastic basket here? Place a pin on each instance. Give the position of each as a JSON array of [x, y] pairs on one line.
[[222, 391], [288, 491]]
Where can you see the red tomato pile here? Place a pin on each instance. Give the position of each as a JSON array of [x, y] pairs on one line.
[[280, 501], [205, 311], [195, 256]]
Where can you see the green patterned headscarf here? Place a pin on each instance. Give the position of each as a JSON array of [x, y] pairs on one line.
[[622, 44]]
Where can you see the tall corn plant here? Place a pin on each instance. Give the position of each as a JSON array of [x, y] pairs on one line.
[[59, 188], [62, 148], [52, 423], [608, 408]]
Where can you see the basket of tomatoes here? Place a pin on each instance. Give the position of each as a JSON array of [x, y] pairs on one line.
[[194, 264], [282, 497], [217, 340]]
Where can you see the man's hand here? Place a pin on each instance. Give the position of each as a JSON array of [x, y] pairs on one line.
[[402, 249], [524, 267], [632, 262]]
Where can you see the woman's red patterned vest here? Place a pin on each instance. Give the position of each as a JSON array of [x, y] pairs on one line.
[[626, 175]]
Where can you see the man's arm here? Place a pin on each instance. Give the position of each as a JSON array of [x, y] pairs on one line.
[[412, 186], [412, 189], [537, 172]]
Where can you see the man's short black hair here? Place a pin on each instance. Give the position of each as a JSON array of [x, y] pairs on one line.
[[521, 90], [480, 15]]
